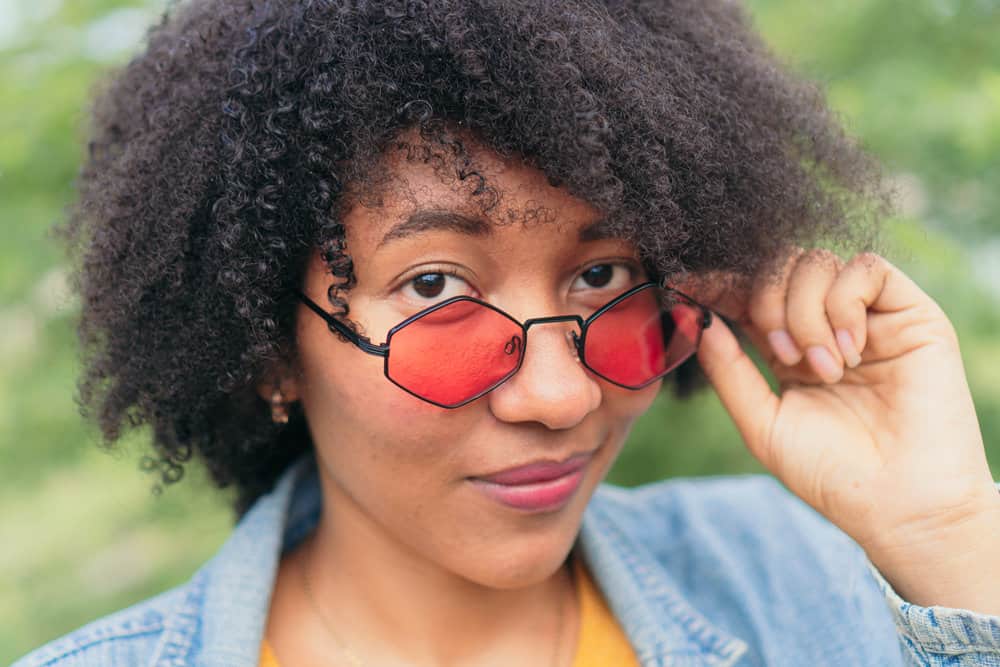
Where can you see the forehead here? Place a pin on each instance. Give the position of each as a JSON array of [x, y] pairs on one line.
[[478, 193]]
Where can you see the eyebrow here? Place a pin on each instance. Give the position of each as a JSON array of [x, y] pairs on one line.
[[435, 220], [597, 231]]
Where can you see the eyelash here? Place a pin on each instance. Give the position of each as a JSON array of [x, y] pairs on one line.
[[431, 270], [630, 265]]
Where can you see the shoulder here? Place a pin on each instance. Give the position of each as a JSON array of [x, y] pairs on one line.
[[131, 636]]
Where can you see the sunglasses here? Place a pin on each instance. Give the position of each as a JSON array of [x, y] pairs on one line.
[[459, 349]]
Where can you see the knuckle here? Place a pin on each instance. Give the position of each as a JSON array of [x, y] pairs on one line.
[[836, 302], [821, 257], [841, 301], [789, 257], [868, 260]]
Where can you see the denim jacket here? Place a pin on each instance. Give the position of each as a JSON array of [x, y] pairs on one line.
[[726, 570]]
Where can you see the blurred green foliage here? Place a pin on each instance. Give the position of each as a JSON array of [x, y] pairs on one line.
[[918, 81]]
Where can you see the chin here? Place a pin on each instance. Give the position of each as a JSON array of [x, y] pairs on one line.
[[520, 567], [527, 552]]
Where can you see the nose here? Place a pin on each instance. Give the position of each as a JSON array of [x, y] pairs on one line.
[[552, 386]]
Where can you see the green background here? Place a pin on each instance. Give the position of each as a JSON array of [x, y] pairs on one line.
[[80, 533]]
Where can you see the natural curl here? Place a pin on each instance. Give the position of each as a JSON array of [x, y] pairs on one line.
[[221, 157]]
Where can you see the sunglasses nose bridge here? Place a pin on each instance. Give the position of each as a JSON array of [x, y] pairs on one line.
[[571, 336]]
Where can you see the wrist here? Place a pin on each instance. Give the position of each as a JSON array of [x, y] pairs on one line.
[[957, 566]]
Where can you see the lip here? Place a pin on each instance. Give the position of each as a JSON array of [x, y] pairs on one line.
[[538, 471], [537, 486]]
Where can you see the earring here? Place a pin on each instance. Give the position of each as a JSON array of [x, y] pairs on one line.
[[279, 409]]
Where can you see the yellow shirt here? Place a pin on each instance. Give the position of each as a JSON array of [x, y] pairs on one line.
[[601, 641]]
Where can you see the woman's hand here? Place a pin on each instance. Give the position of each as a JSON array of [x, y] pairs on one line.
[[874, 425]]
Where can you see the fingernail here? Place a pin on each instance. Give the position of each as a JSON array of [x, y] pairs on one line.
[[824, 364], [784, 347], [847, 348]]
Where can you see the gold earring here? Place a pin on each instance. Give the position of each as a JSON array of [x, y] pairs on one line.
[[279, 409]]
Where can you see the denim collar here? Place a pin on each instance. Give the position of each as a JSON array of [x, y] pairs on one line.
[[663, 627]]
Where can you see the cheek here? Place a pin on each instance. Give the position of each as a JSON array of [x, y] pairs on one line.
[[626, 404], [392, 455], [620, 408], [354, 411]]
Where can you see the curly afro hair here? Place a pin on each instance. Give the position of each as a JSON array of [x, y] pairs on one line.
[[222, 155]]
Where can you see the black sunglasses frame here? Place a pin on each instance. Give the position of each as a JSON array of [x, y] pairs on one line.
[[579, 340]]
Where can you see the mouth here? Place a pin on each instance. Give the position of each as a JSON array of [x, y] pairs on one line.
[[540, 486]]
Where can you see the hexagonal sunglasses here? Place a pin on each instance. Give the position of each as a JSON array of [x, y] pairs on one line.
[[459, 349]]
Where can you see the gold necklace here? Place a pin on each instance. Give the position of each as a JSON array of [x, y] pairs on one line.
[[353, 657], [344, 648]]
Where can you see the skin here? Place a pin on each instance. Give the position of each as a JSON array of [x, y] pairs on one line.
[[406, 542], [873, 426]]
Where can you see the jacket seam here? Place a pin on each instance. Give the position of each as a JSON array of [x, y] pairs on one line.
[[179, 630], [86, 644], [705, 637]]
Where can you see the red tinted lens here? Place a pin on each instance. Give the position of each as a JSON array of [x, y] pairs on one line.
[[454, 353], [638, 340]]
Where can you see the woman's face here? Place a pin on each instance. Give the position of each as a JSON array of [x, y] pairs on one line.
[[406, 469]]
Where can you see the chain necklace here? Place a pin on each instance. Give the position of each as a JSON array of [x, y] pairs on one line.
[[353, 657]]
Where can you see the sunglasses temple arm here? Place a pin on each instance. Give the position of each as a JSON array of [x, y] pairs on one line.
[[343, 329]]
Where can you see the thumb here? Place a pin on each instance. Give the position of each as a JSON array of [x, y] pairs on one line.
[[742, 388]]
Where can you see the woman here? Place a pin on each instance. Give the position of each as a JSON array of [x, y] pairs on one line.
[[313, 240]]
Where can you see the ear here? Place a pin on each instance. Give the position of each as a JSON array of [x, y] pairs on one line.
[[280, 377]]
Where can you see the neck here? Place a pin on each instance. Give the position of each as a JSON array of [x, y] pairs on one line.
[[391, 606]]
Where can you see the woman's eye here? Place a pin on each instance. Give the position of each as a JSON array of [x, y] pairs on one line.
[[605, 277], [434, 285]]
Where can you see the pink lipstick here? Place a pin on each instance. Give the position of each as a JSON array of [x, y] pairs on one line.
[[535, 487]]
